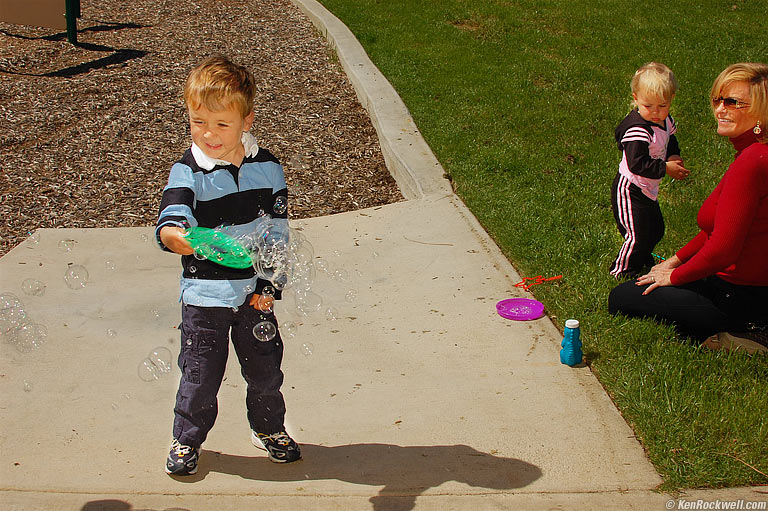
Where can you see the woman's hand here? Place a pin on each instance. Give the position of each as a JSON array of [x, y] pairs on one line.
[[655, 278], [660, 275]]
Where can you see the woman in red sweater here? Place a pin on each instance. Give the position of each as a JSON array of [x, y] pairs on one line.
[[718, 282]]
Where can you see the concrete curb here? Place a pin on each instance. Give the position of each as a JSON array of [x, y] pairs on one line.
[[409, 159]]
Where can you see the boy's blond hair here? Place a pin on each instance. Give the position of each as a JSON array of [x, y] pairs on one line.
[[218, 84], [654, 80], [756, 75]]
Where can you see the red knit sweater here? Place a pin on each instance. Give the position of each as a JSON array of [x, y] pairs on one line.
[[733, 242]]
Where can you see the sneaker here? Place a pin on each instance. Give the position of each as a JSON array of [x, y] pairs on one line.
[[280, 447], [754, 341], [182, 460]]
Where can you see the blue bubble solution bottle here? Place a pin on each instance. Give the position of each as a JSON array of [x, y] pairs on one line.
[[571, 353]]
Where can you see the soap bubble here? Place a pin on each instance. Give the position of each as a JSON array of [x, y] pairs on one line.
[[161, 357], [351, 296], [341, 275], [321, 265], [331, 314], [307, 349], [281, 254], [111, 332], [308, 302], [9, 300], [144, 238], [30, 337], [281, 205], [148, 371], [109, 265], [33, 287], [304, 252], [266, 299], [12, 314], [157, 363], [33, 240], [27, 386], [198, 253], [67, 245], [272, 238], [76, 276], [264, 331], [289, 329]]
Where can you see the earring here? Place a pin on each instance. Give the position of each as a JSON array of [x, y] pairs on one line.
[[757, 129]]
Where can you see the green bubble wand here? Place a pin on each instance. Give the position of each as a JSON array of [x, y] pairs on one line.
[[219, 247]]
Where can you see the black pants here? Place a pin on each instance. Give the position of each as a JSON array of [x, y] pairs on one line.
[[205, 333], [641, 224], [697, 310]]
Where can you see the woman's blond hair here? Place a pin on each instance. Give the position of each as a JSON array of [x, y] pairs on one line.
[[218, 84], [756, 75]]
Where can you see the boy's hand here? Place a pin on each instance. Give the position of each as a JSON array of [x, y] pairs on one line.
[[173, 238], [675, 168], [262, 303]]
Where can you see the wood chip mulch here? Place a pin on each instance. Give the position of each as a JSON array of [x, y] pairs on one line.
[[89, 132]]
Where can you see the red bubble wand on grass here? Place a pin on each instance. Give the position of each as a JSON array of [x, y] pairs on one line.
[[529, 282]]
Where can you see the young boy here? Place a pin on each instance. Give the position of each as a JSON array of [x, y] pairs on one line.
[[649, 151], [224, 178]]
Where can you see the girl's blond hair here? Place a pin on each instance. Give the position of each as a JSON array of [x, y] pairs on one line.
[[655, 80]]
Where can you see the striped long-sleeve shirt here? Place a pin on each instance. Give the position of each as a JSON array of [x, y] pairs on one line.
[[645, 148], [210, 193]]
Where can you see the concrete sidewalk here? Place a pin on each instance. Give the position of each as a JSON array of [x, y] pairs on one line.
[[418, 396]]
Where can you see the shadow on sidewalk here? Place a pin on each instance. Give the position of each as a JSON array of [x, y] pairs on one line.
[[404, 472]]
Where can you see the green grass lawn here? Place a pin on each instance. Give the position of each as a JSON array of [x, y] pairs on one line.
[[519, 101]]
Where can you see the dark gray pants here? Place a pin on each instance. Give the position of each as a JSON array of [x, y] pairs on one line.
[[205, 333], [698, 309]]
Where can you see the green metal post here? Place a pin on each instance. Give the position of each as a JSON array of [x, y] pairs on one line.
[[72, 10]]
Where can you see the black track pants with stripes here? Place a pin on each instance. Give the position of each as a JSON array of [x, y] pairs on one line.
[[641, 224]]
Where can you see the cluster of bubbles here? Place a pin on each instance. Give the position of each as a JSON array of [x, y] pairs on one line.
[[282, 255], [155, 365], [17, 328]]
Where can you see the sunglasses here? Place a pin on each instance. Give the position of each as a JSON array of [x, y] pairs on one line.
[[729, 103]]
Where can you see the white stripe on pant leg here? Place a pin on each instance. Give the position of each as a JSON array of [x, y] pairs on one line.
[[626, 219]]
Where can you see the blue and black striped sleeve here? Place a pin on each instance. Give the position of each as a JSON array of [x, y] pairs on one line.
[[177, 202]]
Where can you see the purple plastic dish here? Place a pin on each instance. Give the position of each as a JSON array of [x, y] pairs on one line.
[[520, 309]]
